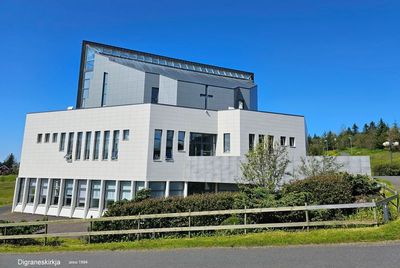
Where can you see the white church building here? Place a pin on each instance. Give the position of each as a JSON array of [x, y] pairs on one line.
[[147, 121]]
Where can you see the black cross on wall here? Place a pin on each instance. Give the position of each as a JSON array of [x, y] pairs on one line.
[[206, 96]]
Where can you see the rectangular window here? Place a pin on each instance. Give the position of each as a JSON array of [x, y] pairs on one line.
[[31, 190], [125, 190], [62, 142], [78, 148], [157, 189], [39, 138], [169, 145], [96, 145], [55, 192], [251, 141], [106, 143], [43, 191], [105, 89], [176, 188], [21, 187], [125, 136], [227, 142], [55, 136], [202, 144], [95, 194], [81, 194], [68, 187], [47, 137], [139, 185], [70, 143], [283, 141], [157, 144], [292, 142], [270, 143], [88, 140], [261, 138], [109, 193], [114, 152], [154, 94], [181, 140]]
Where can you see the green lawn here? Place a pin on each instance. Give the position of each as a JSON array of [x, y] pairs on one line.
[[7, 184], [388, 232]]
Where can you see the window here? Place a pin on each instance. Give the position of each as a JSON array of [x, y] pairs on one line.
[[283, 141], [31, 190], [55, 192], [169, 145], [39, 138], [55, 136], [70, 143], [68, 187], [154, 94], [106, 142], [78, 147], [95, 194], [109, 194], [47, 137], [176, 188], [260, 138], [251, 141], [43, 191], [62, 142], [125, 136], [157, 144], [81, 194], [105, 89], [139, 185], [114, 152], [157, 189], [21, 187], [87, 145], [125, 190], [227, 142], [240, 104], [96, 145], [292, 142], [270, 143], [181, 140], [202, 144]]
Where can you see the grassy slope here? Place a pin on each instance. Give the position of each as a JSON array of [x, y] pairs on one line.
[[7, 184]]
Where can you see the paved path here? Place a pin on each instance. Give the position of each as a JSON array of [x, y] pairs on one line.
[[339, 256]]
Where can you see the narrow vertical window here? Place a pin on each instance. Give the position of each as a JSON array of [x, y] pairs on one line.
[[87, 145], [46, 137], [39, 138], [283, 141], [169, 145], [270, 143], [125, 136], [114, 152], [139, 185], [176, 188], [251, 141], [260, 138], [154, 94], [125, 190], [31, 190], [227, 142], [55, 136], [181, 140], [292, 142], [78, 148], [109, 193], [96, 149], [21, 189], [157, 189], [105, 90], [68, 192], [43, 191], [70, 143], [55, 192], [95, 194], [157, 144], [106, 143], [62, 142], [81, 194]]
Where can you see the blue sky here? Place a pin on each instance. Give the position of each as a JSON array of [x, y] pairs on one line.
[[336, 62]]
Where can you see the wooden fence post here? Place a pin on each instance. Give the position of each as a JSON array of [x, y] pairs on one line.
[[385, 213], [45, 231], [5, 233], [138, 227], [190, 223], [90, 228], [375, 214], [307, 219], [397, 202], [245, 220]]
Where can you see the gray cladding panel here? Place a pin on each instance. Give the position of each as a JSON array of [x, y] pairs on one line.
[[151, 80], [189, 95], [222, 99]]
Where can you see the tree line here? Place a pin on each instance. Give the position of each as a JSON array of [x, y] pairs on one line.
[[9, 165]]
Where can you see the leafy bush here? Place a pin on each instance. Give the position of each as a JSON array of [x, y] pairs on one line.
[[362, 185], [387, 170], [20, 230]]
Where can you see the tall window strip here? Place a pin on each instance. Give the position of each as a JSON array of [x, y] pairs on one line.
[[157, 189], [283, 141], [55, 136], [96, 146], [68, 188], [55, 192], [260, 138], [292, 142], [169, 145], [109, 193], [95, 194], [31, 190], [78, 148], [88, 74], [21, 188], [114, 152], [252, 138], [105, 90], [106, 143], [181, 140], [70, 143], [62, 142], [39, 138], [157, 144], [154, 94], [270, 143], [227, 142], [125, 190], [81, 194], [46, 137], [44, 183], [88, 140], [176, 188], [125, 136]]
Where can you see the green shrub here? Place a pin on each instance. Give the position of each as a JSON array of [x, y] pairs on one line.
[[362, 185], [387, 170], [20, 230]]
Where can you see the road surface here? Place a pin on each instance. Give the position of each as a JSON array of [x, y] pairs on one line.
[[340, 256]]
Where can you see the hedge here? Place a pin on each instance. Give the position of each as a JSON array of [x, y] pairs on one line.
[[387, 170]]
